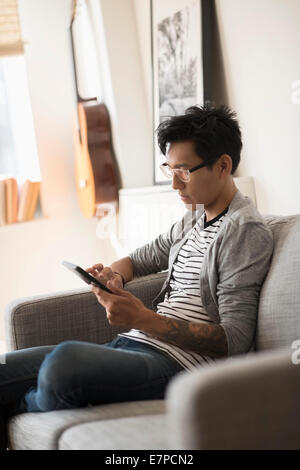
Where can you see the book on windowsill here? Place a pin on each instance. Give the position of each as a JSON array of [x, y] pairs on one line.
[[28, 200], [11, 196]]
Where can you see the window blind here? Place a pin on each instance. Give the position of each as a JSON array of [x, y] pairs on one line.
[[10, 33]]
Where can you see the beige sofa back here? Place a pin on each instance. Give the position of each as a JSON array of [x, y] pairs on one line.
[[279, 307]]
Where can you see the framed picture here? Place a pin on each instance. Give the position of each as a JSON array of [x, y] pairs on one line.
[[181, 62]]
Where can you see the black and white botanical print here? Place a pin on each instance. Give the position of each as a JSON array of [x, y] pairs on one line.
[[177, 62]]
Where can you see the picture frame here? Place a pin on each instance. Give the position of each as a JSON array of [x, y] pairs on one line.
[[181, 62]]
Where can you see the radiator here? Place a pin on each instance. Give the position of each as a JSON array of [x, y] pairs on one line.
[[146, 212]]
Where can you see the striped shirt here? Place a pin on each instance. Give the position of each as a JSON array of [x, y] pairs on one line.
[[182, 300]]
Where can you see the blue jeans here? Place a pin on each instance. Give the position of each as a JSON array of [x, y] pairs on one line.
[[76, 374]]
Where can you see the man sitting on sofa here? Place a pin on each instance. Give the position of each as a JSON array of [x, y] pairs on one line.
[[207, 309]]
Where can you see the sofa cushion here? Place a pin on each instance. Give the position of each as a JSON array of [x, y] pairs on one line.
[[279, 307], [139, 433], [42, 431]]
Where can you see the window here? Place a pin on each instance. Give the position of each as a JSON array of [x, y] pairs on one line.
[[19, 166], [18, 152]]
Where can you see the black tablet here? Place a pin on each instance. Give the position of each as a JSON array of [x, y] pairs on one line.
[[86, 277]]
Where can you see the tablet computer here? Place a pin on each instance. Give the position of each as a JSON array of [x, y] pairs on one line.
[[86, 277]]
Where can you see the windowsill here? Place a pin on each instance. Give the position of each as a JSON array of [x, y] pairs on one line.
[[17, 224]]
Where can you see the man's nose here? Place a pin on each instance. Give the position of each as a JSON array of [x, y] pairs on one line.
[[176, 182]]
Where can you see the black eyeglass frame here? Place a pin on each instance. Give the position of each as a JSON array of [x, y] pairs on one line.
[[190, 170]]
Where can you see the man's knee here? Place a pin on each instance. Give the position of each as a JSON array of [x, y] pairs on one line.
[[56, 373]]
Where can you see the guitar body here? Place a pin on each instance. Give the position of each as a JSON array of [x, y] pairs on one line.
[[97, 174], [96, 169]]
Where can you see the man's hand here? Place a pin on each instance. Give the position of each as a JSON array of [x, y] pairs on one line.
[[105, 274], [123, 309]]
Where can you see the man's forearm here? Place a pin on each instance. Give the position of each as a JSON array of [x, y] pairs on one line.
[[201, 338], [124, 267]]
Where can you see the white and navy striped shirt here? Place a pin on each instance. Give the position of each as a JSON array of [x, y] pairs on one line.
[[182, 300]]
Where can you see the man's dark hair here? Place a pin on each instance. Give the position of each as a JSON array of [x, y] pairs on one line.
[[214, 131]]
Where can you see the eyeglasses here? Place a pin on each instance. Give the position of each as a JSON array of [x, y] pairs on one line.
[[183, 174]]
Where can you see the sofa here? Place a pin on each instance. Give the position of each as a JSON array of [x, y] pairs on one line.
[[250, 401]]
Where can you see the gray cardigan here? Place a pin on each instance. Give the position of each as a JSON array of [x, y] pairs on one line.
[[234, 268]]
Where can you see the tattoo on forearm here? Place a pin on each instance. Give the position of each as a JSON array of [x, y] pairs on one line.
[[207, 339]]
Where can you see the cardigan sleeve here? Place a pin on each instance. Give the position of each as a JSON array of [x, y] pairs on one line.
[[243, 262]]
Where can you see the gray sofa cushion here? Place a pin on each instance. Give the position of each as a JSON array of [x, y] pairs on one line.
[[279, 307], [139, 433], [42, 431]]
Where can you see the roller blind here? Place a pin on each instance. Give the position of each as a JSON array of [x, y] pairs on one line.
[[10, 33]]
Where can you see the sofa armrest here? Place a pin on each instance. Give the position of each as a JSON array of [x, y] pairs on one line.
[[240, 403], [73, 314]]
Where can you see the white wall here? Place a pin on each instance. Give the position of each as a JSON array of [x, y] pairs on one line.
[[142, 18], [130, 93], [260, 46]]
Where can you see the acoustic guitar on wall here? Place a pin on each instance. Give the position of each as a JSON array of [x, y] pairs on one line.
[[96, 170]]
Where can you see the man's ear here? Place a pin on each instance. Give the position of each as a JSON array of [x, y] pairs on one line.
[[225, 163]]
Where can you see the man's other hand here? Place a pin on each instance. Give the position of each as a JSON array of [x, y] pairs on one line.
[[105, 274]]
